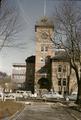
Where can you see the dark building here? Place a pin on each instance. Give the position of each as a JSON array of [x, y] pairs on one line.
[[45, 82], [30, 73]]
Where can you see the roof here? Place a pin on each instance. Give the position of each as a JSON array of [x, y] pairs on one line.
[[44, 22], [19, 65], [42, 70], [30, 59], [61, 56]]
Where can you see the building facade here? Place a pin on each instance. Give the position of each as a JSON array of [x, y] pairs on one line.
[[51, 66], [19, 74], [44, 47], [63, 77], [30, 74]]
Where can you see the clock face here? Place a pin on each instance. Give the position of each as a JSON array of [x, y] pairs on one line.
[[44, 35]]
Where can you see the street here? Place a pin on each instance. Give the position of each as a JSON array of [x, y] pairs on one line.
[[47, 111]]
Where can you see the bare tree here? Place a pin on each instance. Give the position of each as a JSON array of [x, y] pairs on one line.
[[0, 2], [9, 26], [68, 28]]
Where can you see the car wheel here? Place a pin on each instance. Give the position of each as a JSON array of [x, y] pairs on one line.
[[67, 99]]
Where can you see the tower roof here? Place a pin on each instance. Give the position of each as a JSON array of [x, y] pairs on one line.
[[30, 59], [44, 22]]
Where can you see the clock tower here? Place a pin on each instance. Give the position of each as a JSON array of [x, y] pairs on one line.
[[44, 29]]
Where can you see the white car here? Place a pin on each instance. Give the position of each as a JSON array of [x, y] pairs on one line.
[[52, 95], [19, 94], [9, 96], [22, 93], [34, 95], [72, 97], [27, 94], [1, 96]]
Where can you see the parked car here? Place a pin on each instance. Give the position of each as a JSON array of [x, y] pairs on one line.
[[1, 96], [52, 95], [9, 96], [34, 95], [27, 94], [72, 97], [19, 94], [23, 94]]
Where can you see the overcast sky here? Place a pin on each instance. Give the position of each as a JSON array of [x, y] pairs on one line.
[[30, 11]]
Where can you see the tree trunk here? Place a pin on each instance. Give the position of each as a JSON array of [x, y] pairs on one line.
[[78, 101], [68, 81]]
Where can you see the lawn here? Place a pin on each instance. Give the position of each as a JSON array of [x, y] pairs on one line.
[[8, 108]]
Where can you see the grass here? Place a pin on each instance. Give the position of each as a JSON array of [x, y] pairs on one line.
[[8, 108]]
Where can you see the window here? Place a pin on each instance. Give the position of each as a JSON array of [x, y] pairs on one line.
[[64, 81], [42, 60], [44, 75], [65, 91], [64, 68], [46, 48], [59, 68], [60, 91], [59, 81], [42, 48]]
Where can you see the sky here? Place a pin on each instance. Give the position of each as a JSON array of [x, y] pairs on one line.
[[29, 11]]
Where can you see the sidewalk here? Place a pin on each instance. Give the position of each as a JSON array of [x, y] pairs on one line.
[[74, 110], [18, 113]]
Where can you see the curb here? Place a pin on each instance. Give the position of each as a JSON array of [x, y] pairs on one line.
[[74, 116], [18, 113]]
